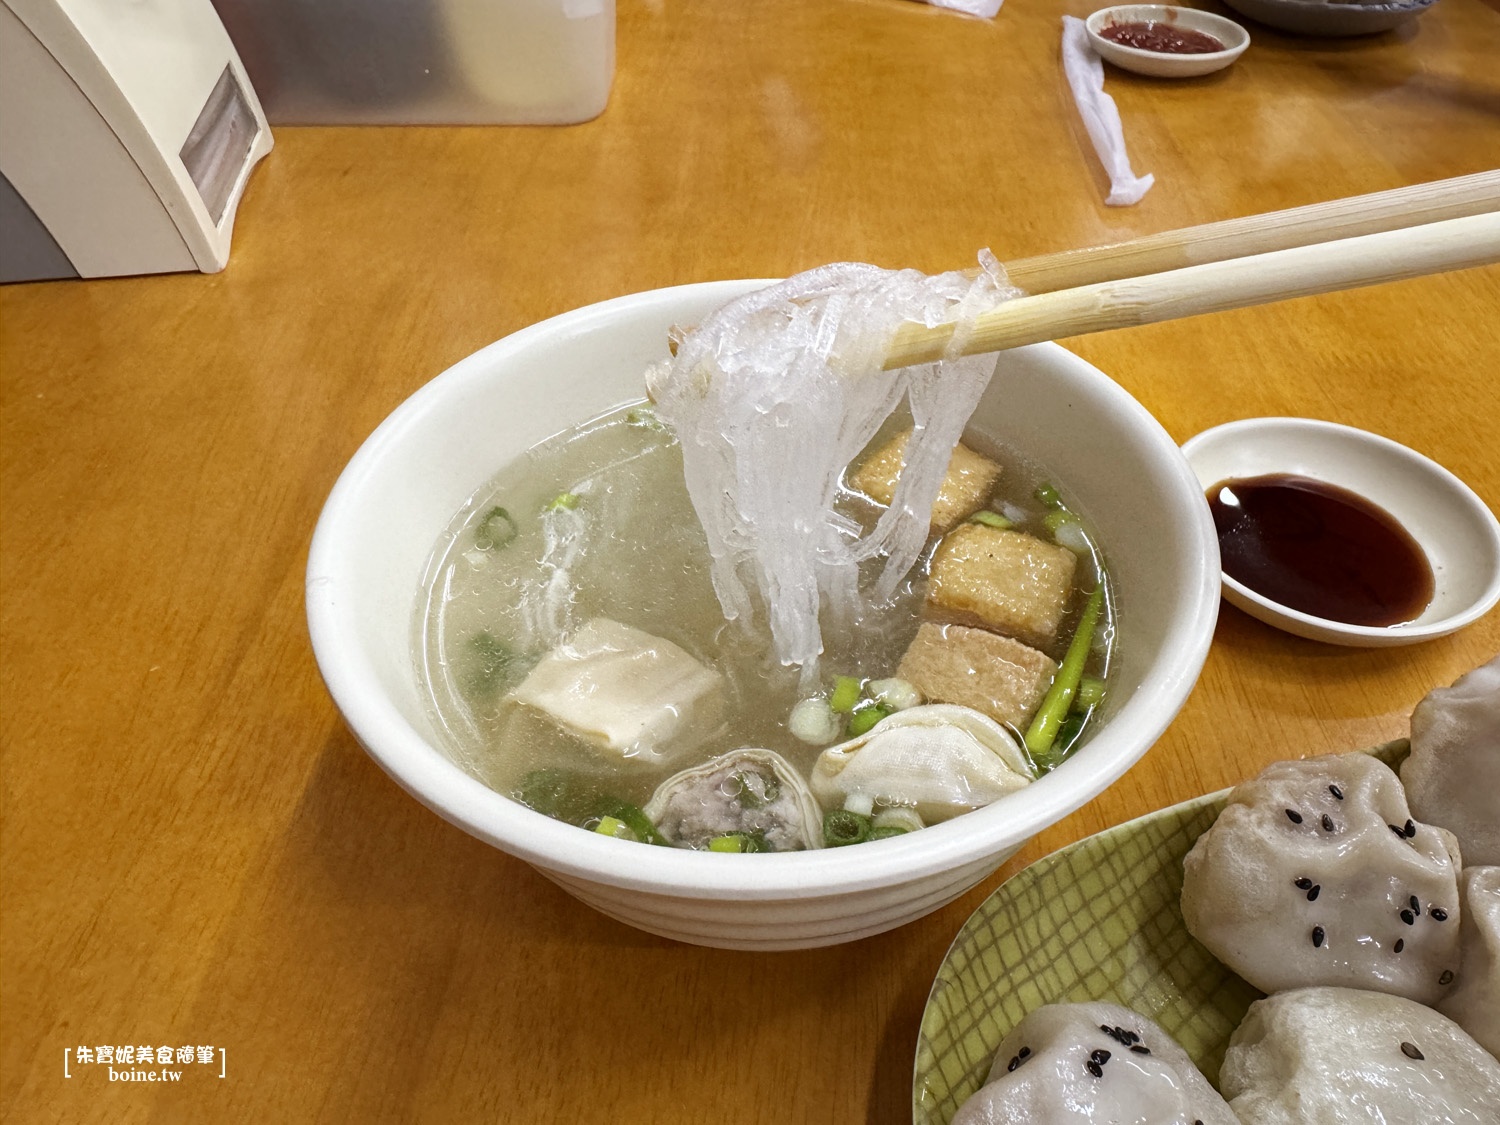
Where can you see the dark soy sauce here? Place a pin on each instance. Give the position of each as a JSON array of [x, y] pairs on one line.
[[1320, 549]]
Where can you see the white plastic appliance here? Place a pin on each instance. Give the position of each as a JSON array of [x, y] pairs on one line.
[[127, 131]]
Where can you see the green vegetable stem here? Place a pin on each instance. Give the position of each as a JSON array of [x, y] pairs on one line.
[[1042, 733], [841, 827], [495, 530]]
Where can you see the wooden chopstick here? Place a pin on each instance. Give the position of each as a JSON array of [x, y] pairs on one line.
[[1260, 234], [1347, 263]]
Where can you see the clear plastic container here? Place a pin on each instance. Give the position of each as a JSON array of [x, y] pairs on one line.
[[432, 62]]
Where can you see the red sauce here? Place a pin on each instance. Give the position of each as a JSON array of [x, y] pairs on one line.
[[1320, 549], [1165, 38]]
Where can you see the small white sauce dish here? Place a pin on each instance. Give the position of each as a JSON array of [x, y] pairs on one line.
[[1162, 64], [1455, 529]]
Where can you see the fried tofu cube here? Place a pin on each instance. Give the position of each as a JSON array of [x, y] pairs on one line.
[[968, 484], [996, 675], [1007, 581], [630, 694]]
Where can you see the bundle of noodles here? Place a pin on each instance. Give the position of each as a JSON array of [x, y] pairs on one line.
[[776, 393]]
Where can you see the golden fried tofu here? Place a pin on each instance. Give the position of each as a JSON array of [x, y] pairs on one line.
[[970, 480], [1007, 581], [1001, 677]]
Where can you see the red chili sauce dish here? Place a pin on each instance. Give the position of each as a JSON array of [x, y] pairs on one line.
[[1163, 38], [1320, 549]]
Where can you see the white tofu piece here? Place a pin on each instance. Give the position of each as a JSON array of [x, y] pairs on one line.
[[630, 694]]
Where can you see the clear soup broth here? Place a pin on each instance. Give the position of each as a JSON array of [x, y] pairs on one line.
[[597, 522]]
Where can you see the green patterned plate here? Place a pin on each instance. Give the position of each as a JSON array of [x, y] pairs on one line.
[[1097, 920]]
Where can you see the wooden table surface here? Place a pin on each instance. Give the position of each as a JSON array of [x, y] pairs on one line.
[[195, 850]]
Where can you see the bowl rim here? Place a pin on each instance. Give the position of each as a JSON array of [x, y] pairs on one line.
[[440, 784], [1096, 21], [1408, 632]]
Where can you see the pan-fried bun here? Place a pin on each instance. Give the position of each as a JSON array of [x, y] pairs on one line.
[[1453, 775], [1335, 1055], [1316, 874]]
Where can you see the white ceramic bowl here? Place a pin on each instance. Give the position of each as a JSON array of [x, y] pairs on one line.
[[1330, 20], [1453, 526], [420, 466], [1159, 64]]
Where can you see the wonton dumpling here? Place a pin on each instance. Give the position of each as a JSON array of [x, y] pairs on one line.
[[1474, 1003], [742, 792], [1088, 1063], [625, 691], [1453, 775], [1314, 873], [1334, 1055], [939, 759]]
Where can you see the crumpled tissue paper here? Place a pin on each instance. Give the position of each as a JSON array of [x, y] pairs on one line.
[[982, 8], [1101, 117]]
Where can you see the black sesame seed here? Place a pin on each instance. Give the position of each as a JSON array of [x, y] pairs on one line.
[[1101, 1056], [1129, 1036], [1447, 977], [1094, 1068], [1294, 816], [1415, 905], [1397, 831], [1408, 917], [1198, 1122], [1312, 895], [1014, 1062], [1410, 830], [1438, 914], [1140, 1050], [1327, 823], [1317, 937], [1302, 884], [1400, 944], [1104, 1027], [1336, 791], [1024, 1052], [1411, 1052]]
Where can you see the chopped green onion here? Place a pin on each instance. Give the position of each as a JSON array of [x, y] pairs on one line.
[[865, 718], [841, 827], [483, 666], [895, 694], [564, 500], [1047, 496], [845, 695], [731, 843], [611, 826], [898, 816], [636, 820], [495, 530], [1090, 693], [814, 722], [885, 832], [1043, 730], [1054, 521], [992, 519]]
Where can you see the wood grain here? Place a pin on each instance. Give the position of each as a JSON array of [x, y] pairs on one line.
[[193, 850]]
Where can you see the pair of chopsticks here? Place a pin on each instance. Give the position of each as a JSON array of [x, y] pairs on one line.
[[1344, 244]]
